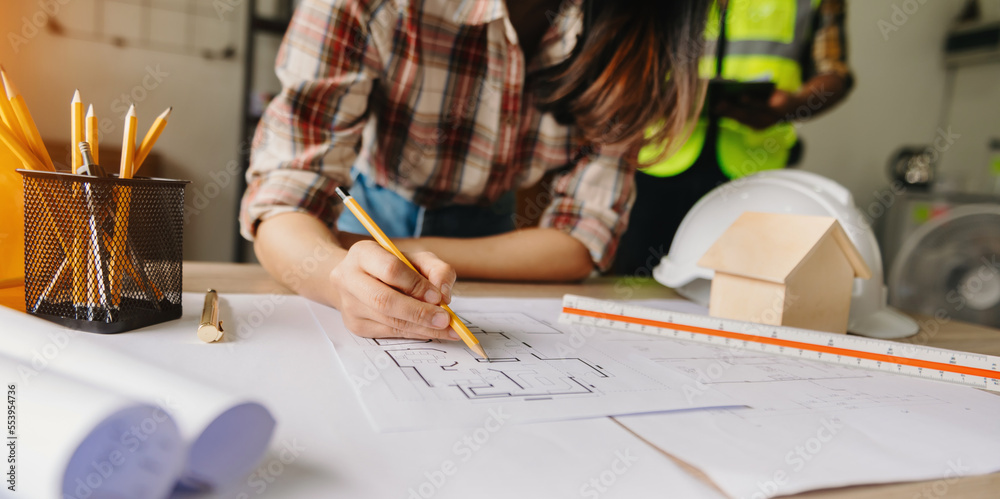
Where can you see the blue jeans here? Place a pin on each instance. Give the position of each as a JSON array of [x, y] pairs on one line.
[[398, 217]]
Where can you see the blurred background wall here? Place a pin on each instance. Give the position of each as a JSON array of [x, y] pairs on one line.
[[900, 99]]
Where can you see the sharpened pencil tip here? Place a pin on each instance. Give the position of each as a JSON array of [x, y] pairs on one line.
[[343, 193], [166, 114], [90, 111], [76, 97], [8, 85], [479, 350], [131, 111]]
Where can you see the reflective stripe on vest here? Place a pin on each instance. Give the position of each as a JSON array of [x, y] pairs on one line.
[[764, 41]]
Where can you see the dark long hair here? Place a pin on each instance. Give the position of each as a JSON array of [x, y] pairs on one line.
[[634, 69]]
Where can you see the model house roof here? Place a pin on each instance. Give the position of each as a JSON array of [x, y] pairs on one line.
[[771, 246]]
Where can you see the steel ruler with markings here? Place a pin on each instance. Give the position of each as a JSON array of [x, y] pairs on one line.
[[980, 371]]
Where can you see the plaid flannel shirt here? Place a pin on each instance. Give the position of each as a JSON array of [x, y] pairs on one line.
[[427, 98]]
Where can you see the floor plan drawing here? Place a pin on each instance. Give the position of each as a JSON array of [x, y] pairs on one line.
[[516, 369], [537, 371], [524, 375], [505, 322]]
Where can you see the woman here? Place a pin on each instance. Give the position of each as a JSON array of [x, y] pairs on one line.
[[435, 112]]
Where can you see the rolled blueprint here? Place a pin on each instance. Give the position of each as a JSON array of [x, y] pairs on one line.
[[224, 435], [67, 439]]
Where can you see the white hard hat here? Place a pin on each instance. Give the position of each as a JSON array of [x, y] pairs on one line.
[[782, 191]]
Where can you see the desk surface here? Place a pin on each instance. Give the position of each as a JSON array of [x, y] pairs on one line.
[[943, 333]]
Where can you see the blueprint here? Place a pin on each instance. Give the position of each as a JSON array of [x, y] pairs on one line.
[[814, 425], [538, 370], [791, 424]]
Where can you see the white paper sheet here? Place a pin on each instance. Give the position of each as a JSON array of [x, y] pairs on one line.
[[539, 370], [325, 446], [814, 425], [225, 433], [70, 440]]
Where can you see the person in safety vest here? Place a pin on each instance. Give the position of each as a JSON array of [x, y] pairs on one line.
[[800, 46]]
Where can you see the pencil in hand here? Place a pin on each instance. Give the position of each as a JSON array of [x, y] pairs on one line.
[[456, 323]]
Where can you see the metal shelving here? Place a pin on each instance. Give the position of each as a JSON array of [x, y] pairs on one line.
[[273, 25]]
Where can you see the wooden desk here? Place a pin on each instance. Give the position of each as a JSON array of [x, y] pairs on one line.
[[249, 278]]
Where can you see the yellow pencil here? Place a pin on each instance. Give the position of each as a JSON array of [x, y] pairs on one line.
[[151, 137], [383, 240], [93, 135], [27, 123], [79, 254], [77, 131], [8, 117], [119, 263], [78, 134], [128, 145], [8, 137], [123, 198]]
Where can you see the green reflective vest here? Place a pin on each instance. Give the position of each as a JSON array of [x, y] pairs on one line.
[[765, 40]]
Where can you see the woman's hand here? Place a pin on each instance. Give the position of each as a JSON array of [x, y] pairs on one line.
[[381, 297]]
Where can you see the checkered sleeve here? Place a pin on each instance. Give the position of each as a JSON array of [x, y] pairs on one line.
[[829, 49], [592, 201], [307, 139]]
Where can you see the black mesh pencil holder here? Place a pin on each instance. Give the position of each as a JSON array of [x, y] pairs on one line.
[[102, 254]]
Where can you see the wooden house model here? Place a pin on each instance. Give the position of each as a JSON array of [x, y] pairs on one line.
[[788, 270]]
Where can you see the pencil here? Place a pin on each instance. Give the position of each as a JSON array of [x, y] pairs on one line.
[[150, 140], [383, 240], [27, 123], [79, 256], [119, 258], [128, 145], [8, 117], [8, 137], [93, 135], [76, 130]]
